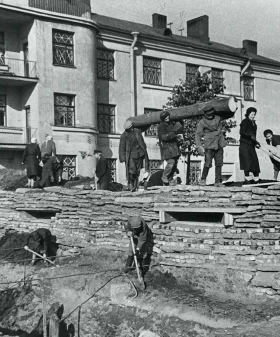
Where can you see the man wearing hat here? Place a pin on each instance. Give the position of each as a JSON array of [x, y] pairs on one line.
[[133, 152], [102, 172], [167, 135], [274, 143], [137, 228], [40, 242], [210, 128]]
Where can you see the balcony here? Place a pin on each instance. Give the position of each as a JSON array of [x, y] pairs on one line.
[[17, 72], [15, 137]]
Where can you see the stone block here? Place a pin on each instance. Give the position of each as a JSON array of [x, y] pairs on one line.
[[265, 236], [263, 279], [273, 217], [241, 196], [256, 219]]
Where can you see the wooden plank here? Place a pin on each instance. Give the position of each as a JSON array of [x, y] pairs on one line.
[[187, 224], [200, 209], [262, 184]]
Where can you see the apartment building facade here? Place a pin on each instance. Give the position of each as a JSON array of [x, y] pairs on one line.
[[138, 66]]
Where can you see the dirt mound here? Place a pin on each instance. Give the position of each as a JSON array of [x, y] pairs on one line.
[[10, 179], [11, 247]]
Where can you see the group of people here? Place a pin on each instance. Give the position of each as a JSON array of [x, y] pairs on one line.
[[43, 167]]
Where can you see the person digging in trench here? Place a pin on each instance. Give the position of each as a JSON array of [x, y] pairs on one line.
[[142, 235], [40, 241]]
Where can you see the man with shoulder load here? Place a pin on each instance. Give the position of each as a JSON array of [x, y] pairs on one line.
[[167, 134], [137, 228], [210, 128]]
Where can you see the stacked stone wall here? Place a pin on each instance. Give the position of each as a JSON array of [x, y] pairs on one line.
[[247, 251]]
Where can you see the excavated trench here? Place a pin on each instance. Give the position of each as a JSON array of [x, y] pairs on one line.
[[96, 299]]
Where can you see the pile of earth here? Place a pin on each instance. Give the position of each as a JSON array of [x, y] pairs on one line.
[[12, 247], [11, 179]]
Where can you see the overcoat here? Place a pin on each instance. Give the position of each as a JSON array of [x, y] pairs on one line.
[[48, 172], [31, 157], [102, 170], [125, 149], [168, 141]]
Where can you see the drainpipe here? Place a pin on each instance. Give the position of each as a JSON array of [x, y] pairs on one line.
[[133, 74], [246, 67]]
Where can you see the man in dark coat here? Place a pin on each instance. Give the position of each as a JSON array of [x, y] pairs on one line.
[[137, 228], [48, 147], [31, 158], [39, 241], [210, 128], [48, 173], [102, 171], [58, 170], [167, 135], [273, 140], [133, 152]]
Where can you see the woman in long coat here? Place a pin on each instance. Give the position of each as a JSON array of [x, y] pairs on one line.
[[31, 158], [247, 149]]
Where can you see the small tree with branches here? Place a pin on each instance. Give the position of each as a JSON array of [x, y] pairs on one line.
[[200, 88]]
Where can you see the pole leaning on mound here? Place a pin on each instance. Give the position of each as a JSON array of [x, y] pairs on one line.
[[224, 107]]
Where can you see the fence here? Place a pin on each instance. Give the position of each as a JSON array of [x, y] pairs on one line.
[[16, 67]]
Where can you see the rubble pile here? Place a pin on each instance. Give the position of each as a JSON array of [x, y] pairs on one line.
[[244, 255]]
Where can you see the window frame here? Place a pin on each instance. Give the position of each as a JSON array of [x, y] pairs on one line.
[[65, 168], [108, 78], [73, 97], [252, 86], [191, 74], [109, 115], [153, 127], [4, 107], [145, 79], [65, 45], [218, 79], [112, 164]]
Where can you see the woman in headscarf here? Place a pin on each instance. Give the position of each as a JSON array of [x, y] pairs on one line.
[[247, 149], [31, 158]]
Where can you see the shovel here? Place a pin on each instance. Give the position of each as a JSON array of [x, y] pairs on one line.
[[31, 251], [140, 278]]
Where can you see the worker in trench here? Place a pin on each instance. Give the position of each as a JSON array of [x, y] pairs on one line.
[[142, 235], [42, 242]]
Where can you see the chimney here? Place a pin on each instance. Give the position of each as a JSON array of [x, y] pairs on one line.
[[198, 28], [250, 46], [159, 21]]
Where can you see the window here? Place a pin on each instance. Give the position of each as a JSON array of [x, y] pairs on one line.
[[152, 131], [64, 110], [106, 118], [195, 172], [63, 48], [105, 64], [152, 70], [191, 71], [112, 167], [156, 165], [248, 88], [218, 79], [3, 109], [69, 167]]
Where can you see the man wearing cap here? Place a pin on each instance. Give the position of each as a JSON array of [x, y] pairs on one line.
[[40, 241], [133, 152], [48, 146], [137, 228], [167, 135], [102, 172], [210, 128], [274, 142]]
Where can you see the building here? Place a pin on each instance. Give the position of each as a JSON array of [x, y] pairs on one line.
[[138, 65], [47, 80], [78, 76]]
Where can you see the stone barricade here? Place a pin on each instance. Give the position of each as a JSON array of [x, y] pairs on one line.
[[247, 251]]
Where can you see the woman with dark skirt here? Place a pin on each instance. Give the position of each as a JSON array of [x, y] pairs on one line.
[[31, 158], [249, 162]]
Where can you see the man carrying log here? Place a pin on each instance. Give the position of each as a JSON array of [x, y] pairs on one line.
[[167, 135], [40, 242], [133, 152], [274, 143], [137, 228], [210, 128]]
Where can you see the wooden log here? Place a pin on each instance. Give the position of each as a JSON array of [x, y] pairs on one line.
[[224, 107]]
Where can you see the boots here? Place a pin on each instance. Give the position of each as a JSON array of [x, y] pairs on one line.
[[128, 264], [218, 176], [204, 176]]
